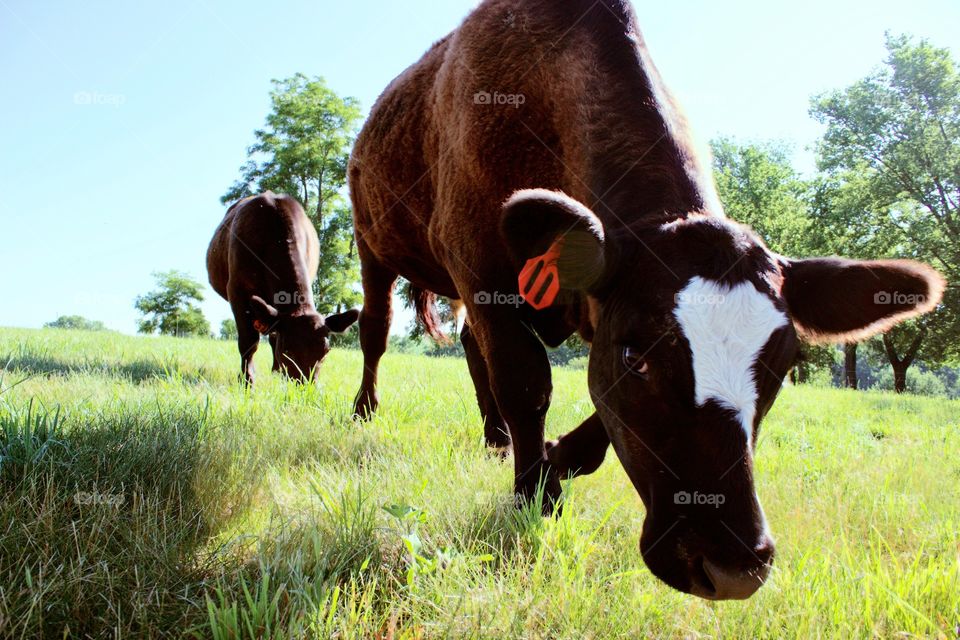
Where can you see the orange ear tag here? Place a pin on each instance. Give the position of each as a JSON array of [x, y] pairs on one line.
[[540, 280], [261, 327]]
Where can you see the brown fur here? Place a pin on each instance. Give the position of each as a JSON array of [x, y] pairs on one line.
[[598, 155], [263, 259]]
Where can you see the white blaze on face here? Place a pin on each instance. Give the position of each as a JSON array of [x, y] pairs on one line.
[[727, 328]]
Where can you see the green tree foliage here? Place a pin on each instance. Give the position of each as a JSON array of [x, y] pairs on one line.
[[918, 381], [893, 144], [759, 187], [900, 129], [303, 151], [850, 221], [170, 310], [337, 286], [76, 322], [228, 329]]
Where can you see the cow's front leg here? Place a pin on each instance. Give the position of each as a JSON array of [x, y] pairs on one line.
[[275, 348], [495, 429], [519, 373], [248, 339], [581, 451], [375, 318]]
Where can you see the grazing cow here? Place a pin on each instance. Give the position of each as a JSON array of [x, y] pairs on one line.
[[266, 248], [536, 151]]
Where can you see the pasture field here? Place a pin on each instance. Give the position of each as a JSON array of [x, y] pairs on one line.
[[146, 494]]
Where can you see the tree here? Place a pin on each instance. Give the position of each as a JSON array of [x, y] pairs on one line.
[[813, 359], [758, 186], [849, 222], [170, 308], [303, 151], [337, 285], [898, 132], [228, 329], [900, 364], [76, 322]]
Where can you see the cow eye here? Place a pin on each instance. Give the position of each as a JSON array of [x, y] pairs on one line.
[[635, 363]]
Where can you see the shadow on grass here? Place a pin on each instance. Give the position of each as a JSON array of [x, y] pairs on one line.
[[113, 512], [136, 371]]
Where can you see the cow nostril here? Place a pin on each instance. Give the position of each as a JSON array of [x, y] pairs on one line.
[[765, 551], [700, 582]]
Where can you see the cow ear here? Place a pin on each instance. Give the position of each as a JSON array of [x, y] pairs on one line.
[[340, 322], [553, 226], [837, 300], [264, 316]]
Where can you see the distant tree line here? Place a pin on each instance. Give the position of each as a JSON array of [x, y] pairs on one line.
[[78, 323], [887, 186]]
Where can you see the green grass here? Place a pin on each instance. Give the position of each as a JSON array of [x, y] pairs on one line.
[[145, 494]]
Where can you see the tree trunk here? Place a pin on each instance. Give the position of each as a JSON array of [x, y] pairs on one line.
[[898, 364], [850, 365], [899, 378]]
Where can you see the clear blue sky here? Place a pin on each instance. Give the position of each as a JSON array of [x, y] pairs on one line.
[[97, 196]]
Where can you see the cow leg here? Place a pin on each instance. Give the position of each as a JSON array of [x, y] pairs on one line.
[[248, 339], [375, 320], [494, 428], [276, 354], [519, 373], [581, 451]]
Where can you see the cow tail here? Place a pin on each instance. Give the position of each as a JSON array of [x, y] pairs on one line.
[[425, 304]]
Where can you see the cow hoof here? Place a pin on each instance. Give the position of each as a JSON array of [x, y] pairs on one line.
[[543, 488], [365, 405], [497, 438], [364, 411], [500, 451], [498, 443]]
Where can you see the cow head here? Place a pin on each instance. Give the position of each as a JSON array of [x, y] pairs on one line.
[[300, 339], [696, 323]]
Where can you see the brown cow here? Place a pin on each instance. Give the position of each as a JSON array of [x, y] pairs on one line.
[[538, 140], [266, 248]]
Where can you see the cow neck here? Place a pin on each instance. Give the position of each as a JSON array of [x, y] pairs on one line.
[[298, 268], [636, 151]]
